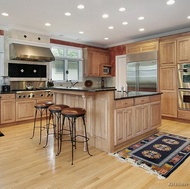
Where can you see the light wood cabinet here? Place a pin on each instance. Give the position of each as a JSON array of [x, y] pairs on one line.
[[25, 109], [167, 53], [124, 123], [168, 86], [183, 50], [93, 58], [144, 46], [136, 116], [7, 108]]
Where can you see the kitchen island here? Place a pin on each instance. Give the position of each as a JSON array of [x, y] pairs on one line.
[[113, 118]]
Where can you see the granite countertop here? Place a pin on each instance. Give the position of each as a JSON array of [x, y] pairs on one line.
[[86, 89], [132, 94]]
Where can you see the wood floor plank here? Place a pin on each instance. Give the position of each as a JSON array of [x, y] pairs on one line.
[[26, 164]]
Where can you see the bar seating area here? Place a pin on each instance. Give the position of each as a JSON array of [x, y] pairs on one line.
[[58, 113]]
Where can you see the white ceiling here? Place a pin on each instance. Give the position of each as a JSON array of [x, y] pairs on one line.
[[160, 18]]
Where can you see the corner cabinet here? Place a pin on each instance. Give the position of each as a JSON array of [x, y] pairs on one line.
[[136, 116], [7, 108], [94, 59]]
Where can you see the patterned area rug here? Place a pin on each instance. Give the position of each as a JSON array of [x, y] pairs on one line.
[[159, 154]]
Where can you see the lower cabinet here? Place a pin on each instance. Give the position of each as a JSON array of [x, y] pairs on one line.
[[124, 121], [7, 108], [25, 110], [141, 117]]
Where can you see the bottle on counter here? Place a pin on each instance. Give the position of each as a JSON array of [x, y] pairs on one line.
[[122, 89], [126, 88]]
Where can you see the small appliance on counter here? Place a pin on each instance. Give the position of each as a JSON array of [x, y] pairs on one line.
[[6, 84]]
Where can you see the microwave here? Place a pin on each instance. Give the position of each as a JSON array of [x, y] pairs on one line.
[[106, 70]]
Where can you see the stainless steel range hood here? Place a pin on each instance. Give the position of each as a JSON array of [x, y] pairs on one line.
[[30, 53]]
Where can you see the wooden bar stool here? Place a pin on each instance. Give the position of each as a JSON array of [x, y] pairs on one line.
[[55, 115], [74, 113], [39, 107]]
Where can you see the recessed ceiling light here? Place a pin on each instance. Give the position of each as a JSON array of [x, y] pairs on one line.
[[125, 23], [106, 38], [81, 32], [47, 24], [5, 14], [111, 27], [141, 18], [67, 14], [122, 9], [188, 17], [105, 16], [170, 2], [80, 6], [141, 29]]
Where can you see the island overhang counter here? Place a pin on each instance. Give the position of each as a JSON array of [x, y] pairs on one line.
[[111, 116]]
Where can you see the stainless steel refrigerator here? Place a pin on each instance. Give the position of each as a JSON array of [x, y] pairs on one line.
[[142, 71]]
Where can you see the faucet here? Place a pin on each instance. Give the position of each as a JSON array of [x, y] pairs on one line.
[[72, 83]]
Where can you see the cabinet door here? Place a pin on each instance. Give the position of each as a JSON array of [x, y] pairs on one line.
[[155, 115], [25, 110], [124, 125], [168, 53], [7, 111], [183, 50], [168, 86]]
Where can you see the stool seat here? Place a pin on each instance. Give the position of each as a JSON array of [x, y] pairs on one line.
[[73, 112], [40, 105], [49, 103]]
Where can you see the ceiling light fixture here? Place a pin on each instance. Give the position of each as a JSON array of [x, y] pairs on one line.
[[81, 32], [106, 38], [67, 14], [122, 9], [5, 14], [47, 24], [170, 2], [141, 29], [111, 27], [125, 23], [141, 18], [105, 16], [188, 17], [80, 6]]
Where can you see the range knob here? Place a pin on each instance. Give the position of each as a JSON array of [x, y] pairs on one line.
[[19, 96], [24, 96], [33, 95], [28, 96], [41, 95]]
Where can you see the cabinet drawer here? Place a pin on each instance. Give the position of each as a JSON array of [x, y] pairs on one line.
[[123, 103], [141, 100], [155, 98], [7, 96], [184, 114]]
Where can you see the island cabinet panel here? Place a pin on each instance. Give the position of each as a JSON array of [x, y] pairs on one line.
[[124, 123], [99, 115], [143, 116]]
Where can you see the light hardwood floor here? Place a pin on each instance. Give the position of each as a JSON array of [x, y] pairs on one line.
[[24, 164]]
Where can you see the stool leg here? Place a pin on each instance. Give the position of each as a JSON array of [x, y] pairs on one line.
[[34, 124], [40, 126], [85, 133], [47, 129], [73, 125]]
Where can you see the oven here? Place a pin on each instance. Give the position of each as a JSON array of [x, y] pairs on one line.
[[184, 76], [184, 99]]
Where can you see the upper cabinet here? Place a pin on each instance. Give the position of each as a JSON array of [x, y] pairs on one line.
[[144, 46], [96, 62], [168, 52], [183, 50]]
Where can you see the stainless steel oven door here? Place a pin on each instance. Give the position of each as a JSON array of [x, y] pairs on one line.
[[184, 75], [184, 99]]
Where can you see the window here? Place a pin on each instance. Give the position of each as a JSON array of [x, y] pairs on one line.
[[67, 64]]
